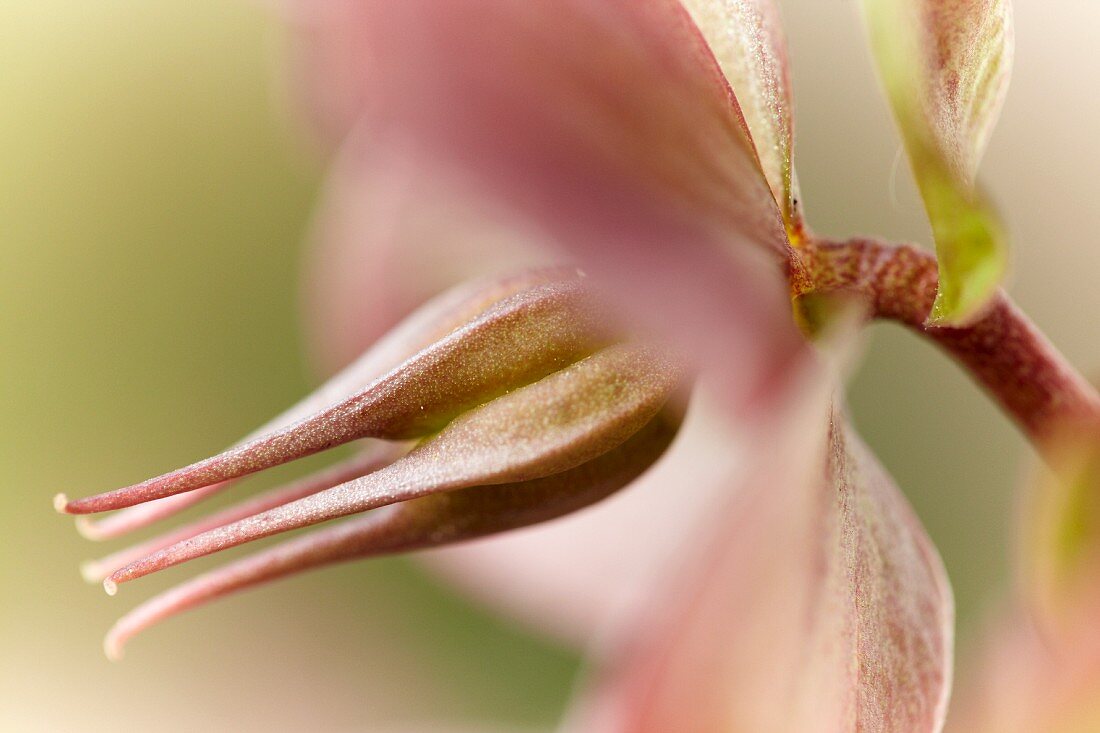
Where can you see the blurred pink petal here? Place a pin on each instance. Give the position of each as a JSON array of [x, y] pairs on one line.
[[610, 129], [1026, 684], [450, 728], [1041, 665], [576, 575], [820, 606], [397, 224], [1059, 543], [745, 38], [327, 61], [391, 232]]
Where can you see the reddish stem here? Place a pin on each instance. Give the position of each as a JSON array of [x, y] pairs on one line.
[[1002, 350]]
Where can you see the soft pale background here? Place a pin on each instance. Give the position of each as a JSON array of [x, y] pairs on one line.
[[153, 199]]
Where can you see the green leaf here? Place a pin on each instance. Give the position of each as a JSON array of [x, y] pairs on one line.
[[945, 65]]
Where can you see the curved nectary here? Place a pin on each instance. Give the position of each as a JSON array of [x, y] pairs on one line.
[[491, 408]]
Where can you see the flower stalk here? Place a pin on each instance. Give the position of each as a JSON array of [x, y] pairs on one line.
[[1001, 348]]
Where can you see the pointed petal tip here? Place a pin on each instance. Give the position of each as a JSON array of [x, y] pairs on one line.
[[85, 505]]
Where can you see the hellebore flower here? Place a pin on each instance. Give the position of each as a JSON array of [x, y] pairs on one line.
[[650, 143]]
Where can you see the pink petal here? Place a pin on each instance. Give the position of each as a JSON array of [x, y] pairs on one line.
[[327, 59], [746, 37], [1025, 684], [577, 575], [609, 126], [397, 225], [449, 728], [391, 232], [820, 606]]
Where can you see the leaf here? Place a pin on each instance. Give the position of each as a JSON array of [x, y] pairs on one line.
[[945, 65], [821, 606]]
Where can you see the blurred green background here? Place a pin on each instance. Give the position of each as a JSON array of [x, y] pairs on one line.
[[154, 195]]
